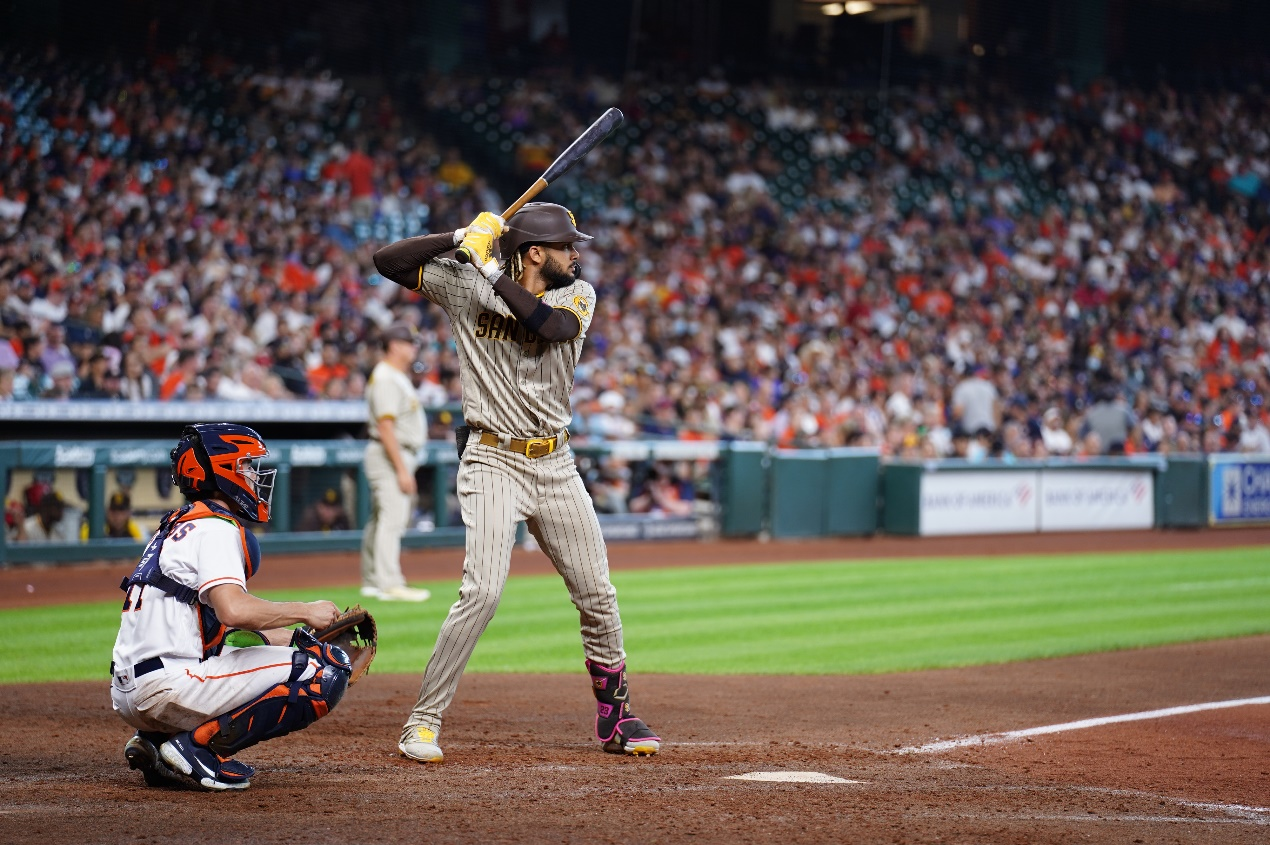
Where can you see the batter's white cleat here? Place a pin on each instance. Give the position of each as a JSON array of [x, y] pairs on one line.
[[371, 592], [404, 594], [419, 743]]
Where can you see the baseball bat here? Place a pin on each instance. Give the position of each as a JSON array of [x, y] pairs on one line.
[[583, 144]]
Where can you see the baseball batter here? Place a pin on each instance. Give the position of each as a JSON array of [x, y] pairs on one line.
[[519, 326], [200, 667]]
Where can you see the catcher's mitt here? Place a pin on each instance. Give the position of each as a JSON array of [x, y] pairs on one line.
[[354, 631]]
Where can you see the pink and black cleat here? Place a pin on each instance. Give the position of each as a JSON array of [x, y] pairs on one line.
[[615, 726]]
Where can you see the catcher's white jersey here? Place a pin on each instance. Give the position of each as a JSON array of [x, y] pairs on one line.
[[187, 690], [199, 553], [513, 382]]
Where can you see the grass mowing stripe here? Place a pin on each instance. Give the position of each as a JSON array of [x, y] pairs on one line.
[[1086, 599], [824, 618], [755, 622]]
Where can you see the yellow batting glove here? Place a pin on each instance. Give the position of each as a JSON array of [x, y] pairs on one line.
[[478, 240], [490, 221]]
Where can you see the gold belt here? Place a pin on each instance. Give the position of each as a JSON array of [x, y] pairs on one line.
[[535, 447]]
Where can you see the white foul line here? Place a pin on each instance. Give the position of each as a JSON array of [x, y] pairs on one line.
[[995, 738]]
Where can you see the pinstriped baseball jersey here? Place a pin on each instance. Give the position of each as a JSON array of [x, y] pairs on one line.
[[513, 382]]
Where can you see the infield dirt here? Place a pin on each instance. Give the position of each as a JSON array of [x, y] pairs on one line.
[[522, 766]]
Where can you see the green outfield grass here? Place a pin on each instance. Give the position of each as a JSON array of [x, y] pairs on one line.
[[793, 618]]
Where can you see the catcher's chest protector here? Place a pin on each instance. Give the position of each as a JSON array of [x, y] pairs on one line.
[[148, 572]]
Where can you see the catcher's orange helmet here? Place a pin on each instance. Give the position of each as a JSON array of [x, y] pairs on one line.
[[225, 457]]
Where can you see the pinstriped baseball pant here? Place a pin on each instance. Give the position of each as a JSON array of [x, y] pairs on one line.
[[497, 489]]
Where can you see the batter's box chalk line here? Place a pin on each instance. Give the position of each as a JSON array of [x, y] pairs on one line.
[[792, 777], [1229, 813], [1008, 736]]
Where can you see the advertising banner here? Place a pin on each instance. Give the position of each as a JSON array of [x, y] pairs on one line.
[[1240, 491], [1091, 500], [976, 502], [616, 528]]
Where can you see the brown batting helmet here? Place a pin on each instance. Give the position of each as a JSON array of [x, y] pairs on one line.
[[540, 223]]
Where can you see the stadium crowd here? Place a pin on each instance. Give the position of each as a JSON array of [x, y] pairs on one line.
[[955, 274]]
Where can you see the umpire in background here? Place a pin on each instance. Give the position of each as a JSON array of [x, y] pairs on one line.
[[392, 454]]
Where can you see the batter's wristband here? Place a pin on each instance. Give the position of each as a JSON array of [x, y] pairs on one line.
[[535, 321]]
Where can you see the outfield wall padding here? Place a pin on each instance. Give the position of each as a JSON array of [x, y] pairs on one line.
[[754, 490]]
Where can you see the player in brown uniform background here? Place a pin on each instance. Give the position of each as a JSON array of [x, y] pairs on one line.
[[519, 326]]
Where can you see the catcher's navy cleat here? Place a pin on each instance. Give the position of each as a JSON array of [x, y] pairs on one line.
[[142, 754], [203, 767]]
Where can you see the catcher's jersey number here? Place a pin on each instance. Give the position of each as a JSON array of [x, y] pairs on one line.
[[128, 603]]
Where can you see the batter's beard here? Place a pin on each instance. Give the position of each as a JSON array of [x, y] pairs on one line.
[[557, 276]]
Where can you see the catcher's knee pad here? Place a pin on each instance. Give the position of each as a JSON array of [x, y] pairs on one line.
[[312, 691], [327, 654]]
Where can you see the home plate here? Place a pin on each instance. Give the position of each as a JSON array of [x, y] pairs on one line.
[[793, 777]]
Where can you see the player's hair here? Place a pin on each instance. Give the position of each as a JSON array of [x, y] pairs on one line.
[[516, 263]]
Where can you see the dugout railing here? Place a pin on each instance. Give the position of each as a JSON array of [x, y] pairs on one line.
[[739, 489], [86, 473]]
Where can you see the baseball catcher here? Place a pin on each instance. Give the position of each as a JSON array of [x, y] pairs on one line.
[[202, 668]]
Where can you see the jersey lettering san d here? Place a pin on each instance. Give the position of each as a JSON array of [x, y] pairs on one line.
[[490, 325]]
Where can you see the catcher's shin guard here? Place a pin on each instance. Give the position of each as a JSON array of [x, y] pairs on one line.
[[615, 726], [312, 691]]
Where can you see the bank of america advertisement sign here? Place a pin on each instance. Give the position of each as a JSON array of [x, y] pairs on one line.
[[1023, 501], [1240, 490], [979, 502], [1090, 500]]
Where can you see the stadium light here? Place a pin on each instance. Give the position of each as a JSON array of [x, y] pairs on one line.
[[832, 9], [858, 7]]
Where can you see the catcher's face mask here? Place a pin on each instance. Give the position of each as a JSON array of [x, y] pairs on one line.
[[226, 457]]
